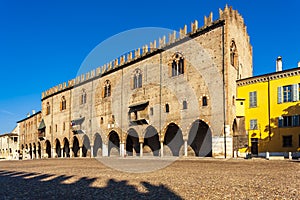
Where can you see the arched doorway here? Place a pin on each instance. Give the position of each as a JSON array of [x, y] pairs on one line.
[[57, 148], [75, 146], [114, 144], [97, 151], [39, 150], [30, 151], [66, 148], [34, 151], [173, 139], [21, 152], [151, 142], [200, 139], [48, 148], [132, 143], [86, 147]]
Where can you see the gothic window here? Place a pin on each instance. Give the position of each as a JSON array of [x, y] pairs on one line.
[[233, 55], [63, 103], [177, 64], [107, 89], [83, 97], [137, 79], [204, 101], [184, 105], [167, 108], [48, 107]]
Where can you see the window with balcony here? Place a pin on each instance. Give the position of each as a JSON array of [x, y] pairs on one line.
[[177, 65]]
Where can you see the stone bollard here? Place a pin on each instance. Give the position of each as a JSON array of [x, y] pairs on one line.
[[290, 156], [267, 155]]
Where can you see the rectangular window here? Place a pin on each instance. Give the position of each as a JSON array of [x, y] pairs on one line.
[[253, 99], [287, 121], [295, 92], [253, 124], [287, 141], [296, 120], [287, 93]]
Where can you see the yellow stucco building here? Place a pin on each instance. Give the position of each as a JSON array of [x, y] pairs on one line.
[[269, 105]]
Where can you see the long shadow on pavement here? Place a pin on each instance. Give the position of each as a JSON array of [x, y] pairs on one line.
[[23, 185]]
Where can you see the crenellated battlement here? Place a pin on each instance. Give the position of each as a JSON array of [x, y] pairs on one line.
[[227, 14]]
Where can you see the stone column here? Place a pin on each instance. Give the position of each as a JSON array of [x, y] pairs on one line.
[[37, 153], [122, 149], [104, 150], [185, 148], [80, 152], [92, 151], [161, 149], [62, 152], [53, 152], [71, 152], [141, 149]]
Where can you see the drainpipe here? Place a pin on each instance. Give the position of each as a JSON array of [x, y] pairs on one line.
[[224, 95]]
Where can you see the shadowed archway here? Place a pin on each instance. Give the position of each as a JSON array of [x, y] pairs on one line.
[[97, 151], [173, 139], [200, 139], [48, 148], [66, 147], [86, 147], [57, 148], [151, 142], [113, 144], [132, 143], [75, 147]]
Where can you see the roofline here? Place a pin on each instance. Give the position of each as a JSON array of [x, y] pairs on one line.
[[29, 117], [269, 74]]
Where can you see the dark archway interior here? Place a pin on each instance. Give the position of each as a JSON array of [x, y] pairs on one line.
[[30, 151], [152, 140], [48, 148], [97, 145], [86, 146], [75, 146], [58, 149], [200, 139], [114, 141], [39, 150], [174, 139], [66, 148], [132, 143]]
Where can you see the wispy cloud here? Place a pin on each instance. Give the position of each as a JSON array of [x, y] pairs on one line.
[[6, 112]]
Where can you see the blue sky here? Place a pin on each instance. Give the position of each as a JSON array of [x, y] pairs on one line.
[[43, 43]]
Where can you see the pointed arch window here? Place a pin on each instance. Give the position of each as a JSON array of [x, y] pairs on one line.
[[177, 65], [204, 101], [137, 79], [184, 105], [107, 89], [63, 103], [167, 108], [48, 108], [83, 97], [233, 55]]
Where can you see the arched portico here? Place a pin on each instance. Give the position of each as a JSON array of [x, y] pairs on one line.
[[200, 139], [97, 149], [48, 148], [66, 147], [113, 144], [75, 147], [173, 140], [151, 142], [57, 148], [86, 146], [132, 143]]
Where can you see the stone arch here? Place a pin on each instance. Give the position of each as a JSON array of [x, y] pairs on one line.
[[66, 147], [30, 150], [200, 139], [57, 148], [39, 150], [48, 148], [86, 146], [173, 140], [151, 142], [132, 143], [75, 146], [113, 144], [97, 149]]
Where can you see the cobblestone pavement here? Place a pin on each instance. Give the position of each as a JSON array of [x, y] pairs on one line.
[[183, 179]]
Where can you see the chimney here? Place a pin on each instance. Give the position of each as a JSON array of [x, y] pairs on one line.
[[33, 112], [279, 64], [28, 115], [299, 64]]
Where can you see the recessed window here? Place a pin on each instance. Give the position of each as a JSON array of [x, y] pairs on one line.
[[107, 89], [63, 103], [101, 120], [184, 105], [233, 55], [83, 97], [48, 107], [204, 101], [64, 126], [177, 64], [287, 141], [151, 111], [253, 99], [137, 79], [167, 108], [253, 124]]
